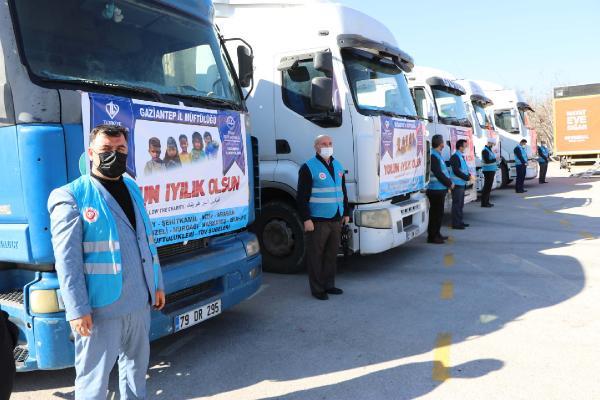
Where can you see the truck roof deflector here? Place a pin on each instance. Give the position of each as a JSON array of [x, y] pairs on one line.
[[486, 101], [402, 59], [447, 85], [525, 106]]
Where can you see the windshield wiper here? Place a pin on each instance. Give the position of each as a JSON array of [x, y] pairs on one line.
[[393, 114], [109, 85], [210, 101]]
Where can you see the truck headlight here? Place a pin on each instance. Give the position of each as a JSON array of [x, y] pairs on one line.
[[379, 219], [252, 247], [44, 302]]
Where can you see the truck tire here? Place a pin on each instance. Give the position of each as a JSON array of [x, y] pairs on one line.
[[505, 175], [281, 235]]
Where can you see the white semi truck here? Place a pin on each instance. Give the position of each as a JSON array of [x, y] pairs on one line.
[[478, 107], [511, 119], [438, 99], [323, 68]]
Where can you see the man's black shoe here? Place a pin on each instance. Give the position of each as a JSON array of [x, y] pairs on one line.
[[522, 191], [321, 296], [334, 290], [465, 225], [443, 237], [458, 227], [435, 241], [487, 205]]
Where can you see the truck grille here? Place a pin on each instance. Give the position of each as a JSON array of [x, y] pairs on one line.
[[20, 354], [12, 297], [177, 249], [207, 287]]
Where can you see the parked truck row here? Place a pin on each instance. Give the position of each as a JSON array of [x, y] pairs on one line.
[[177, 71]]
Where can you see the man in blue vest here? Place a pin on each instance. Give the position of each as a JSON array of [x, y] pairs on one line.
[[543, 160], [459, 172], [323, 206], [439, 184], [108, 270], [489, 167], [521, 165]]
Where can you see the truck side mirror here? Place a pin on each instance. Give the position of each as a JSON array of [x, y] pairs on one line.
[[324, 62], [321, 93], [245, 66]]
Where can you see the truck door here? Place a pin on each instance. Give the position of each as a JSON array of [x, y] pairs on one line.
[[425, 109], [297, 123]]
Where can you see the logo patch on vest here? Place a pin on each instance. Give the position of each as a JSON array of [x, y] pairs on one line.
[[340, 174], [90, 215], [322, 176]]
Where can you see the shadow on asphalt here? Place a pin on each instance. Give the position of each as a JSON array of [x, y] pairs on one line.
[[391, 310]]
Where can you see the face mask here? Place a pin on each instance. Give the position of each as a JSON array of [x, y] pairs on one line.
[[112, 163], [326, 152]]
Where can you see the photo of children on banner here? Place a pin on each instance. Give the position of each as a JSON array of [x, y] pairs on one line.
[[172, 157], [155, 164], [197, 147], [184, 156], [405, 144]]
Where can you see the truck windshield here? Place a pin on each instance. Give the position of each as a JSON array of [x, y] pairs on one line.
[[450, 107], [378, 85], [124, 46], [503, 119], [482, 117]]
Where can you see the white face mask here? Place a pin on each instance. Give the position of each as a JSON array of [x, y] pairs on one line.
[[326, 152]]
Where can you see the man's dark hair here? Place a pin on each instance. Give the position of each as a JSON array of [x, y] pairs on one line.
[[154, 142], [182, 136], [108, 130], [436, 141], [460, 143], [523, 141]]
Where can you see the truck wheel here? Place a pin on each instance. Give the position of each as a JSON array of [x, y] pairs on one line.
[[281, 236], [505, 175]]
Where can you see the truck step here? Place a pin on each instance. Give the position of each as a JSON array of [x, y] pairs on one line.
[[12, 297], [20, 354]]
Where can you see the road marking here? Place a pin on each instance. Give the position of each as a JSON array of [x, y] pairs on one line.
[[487, 318], [447, 290], [449, 260], [441, 358], [586, 235], [564, 222], [548, 211]]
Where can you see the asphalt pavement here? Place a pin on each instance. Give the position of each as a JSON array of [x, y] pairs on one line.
[[508, 309]]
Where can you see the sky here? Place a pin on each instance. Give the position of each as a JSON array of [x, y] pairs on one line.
[[530, 45]]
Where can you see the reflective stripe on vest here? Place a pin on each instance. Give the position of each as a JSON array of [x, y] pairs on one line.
[[464, 168], [544, 152], [523, 154], [327, 196], [493, 167], [101, 247], [434, 183]]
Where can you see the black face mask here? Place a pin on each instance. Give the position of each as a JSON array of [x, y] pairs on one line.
[[112, 163]]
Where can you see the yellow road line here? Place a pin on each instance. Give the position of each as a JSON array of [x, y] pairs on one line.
[[450, 239], [441, 358], [586, 235], [447, 290], [548, 211], [564, 222], [449, 260]]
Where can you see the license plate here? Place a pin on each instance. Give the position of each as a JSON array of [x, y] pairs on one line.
[[193, 317]]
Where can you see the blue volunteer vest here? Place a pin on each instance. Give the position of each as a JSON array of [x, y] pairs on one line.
[[464, 168], [327, 196], [523, 153], [434, 183], [492, 166], [101, 248], [544, 152]]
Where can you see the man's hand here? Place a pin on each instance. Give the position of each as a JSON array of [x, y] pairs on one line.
[[160, 300], [83, 325], [345, 220], [472, 178], [309, 226]]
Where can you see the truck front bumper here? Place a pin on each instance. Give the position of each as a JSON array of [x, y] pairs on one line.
[[409, 219]]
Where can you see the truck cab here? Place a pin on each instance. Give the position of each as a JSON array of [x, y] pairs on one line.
[[161, 55], [323, 68], [511, 119], [478, 107], [439, 101]]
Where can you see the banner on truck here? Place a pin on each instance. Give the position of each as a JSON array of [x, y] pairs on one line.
[[465, 134], [402, 160], [190, 163]]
